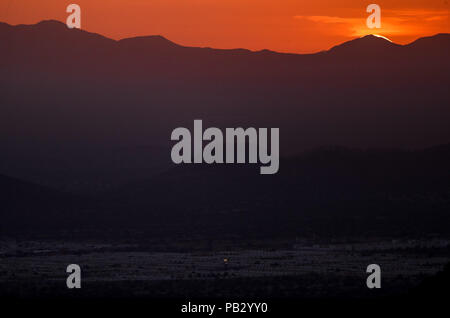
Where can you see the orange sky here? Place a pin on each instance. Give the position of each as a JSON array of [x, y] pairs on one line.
[[280, 25]]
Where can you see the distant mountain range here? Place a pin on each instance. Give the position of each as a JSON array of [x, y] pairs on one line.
[[30, 207], [329, 192], [79, 109]]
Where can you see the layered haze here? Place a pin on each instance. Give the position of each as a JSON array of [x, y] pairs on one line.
[[82, 104], [86, 175]]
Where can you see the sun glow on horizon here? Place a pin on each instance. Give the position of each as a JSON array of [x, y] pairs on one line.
[[383, 37], [299, 26]]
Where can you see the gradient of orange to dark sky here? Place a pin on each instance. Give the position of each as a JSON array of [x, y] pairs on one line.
[[280, 25]]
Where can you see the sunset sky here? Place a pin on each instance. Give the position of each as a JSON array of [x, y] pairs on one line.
[[281, 25]]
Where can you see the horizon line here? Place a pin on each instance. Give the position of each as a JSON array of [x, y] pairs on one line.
[[225, 49]]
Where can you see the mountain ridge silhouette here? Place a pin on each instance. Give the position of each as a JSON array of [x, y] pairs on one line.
[[161, 40], [67, 95], [405, 191]]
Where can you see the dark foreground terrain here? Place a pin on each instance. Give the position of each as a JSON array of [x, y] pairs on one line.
[[414, 281], [300, 268], [307, 233]]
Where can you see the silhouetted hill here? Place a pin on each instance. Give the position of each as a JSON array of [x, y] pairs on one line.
[[151, 43], [73, 92], [437, 43], [30, 207], [14, 190], [332, 191], [367, 45]]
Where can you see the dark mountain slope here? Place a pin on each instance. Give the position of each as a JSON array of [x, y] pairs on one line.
[[80, 92], [28, 208], [331, 190], [327, 192]]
